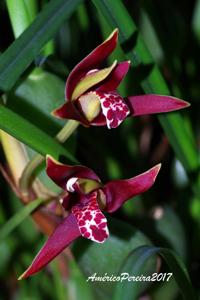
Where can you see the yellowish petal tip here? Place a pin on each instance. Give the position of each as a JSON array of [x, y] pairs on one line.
[[116, 30], [157, 169], [53, 113], [187, 104], [158, 166], [114, 63], [21, 276], [48, 156]]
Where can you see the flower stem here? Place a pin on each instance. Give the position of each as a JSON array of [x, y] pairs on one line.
[[66, 131], [28, 173]]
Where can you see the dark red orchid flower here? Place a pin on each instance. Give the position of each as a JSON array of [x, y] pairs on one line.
[[91, 93], [85, 198]]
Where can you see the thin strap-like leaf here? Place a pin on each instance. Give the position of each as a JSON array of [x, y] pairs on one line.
[[23, 50], [31, 135], [18, 218]]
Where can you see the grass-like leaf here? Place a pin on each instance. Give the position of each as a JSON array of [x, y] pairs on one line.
[[19, 217], [134, 264], [31, 135], [22, 52]]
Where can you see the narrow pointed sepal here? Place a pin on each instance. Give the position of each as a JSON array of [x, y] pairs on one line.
[[151, 104], [61, 173], [65, 233], [119, 191]]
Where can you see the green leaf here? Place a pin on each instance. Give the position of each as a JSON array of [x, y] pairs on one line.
[[59, 288], [32, 136], [196, 20], [160, 225], [36, 97], [23, 51], [165, 291], [77, 283], [108, 257], [21, 14], [135, 263], [19, 217], [181, 140], [166, 224]]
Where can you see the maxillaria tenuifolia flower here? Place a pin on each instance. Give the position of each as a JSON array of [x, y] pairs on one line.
[[91, 96], [85, 198]]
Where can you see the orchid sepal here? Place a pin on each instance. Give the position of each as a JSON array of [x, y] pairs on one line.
[[152, 103], [119, 191], [61, 173], [64, 234]]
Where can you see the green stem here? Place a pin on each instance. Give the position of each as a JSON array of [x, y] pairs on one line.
[[28, 173], [21, 215], [66, 131]]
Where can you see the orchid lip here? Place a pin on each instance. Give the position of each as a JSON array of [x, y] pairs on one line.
[[91, 221], [114, 108]]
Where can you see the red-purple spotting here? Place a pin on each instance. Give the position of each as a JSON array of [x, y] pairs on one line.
[[91, 96], [84, 198]]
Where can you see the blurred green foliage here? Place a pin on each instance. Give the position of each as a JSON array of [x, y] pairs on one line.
[[33, 75]]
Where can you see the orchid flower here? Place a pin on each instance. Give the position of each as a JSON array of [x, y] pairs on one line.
[[91, 96], [84, 198]]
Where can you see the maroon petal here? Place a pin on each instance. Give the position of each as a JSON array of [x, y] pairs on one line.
[[114, 79], [119, 191], [69, 199], [91, 61], [61, 173], [64, 234], [92, 223], [69, 111], [150, 104]]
